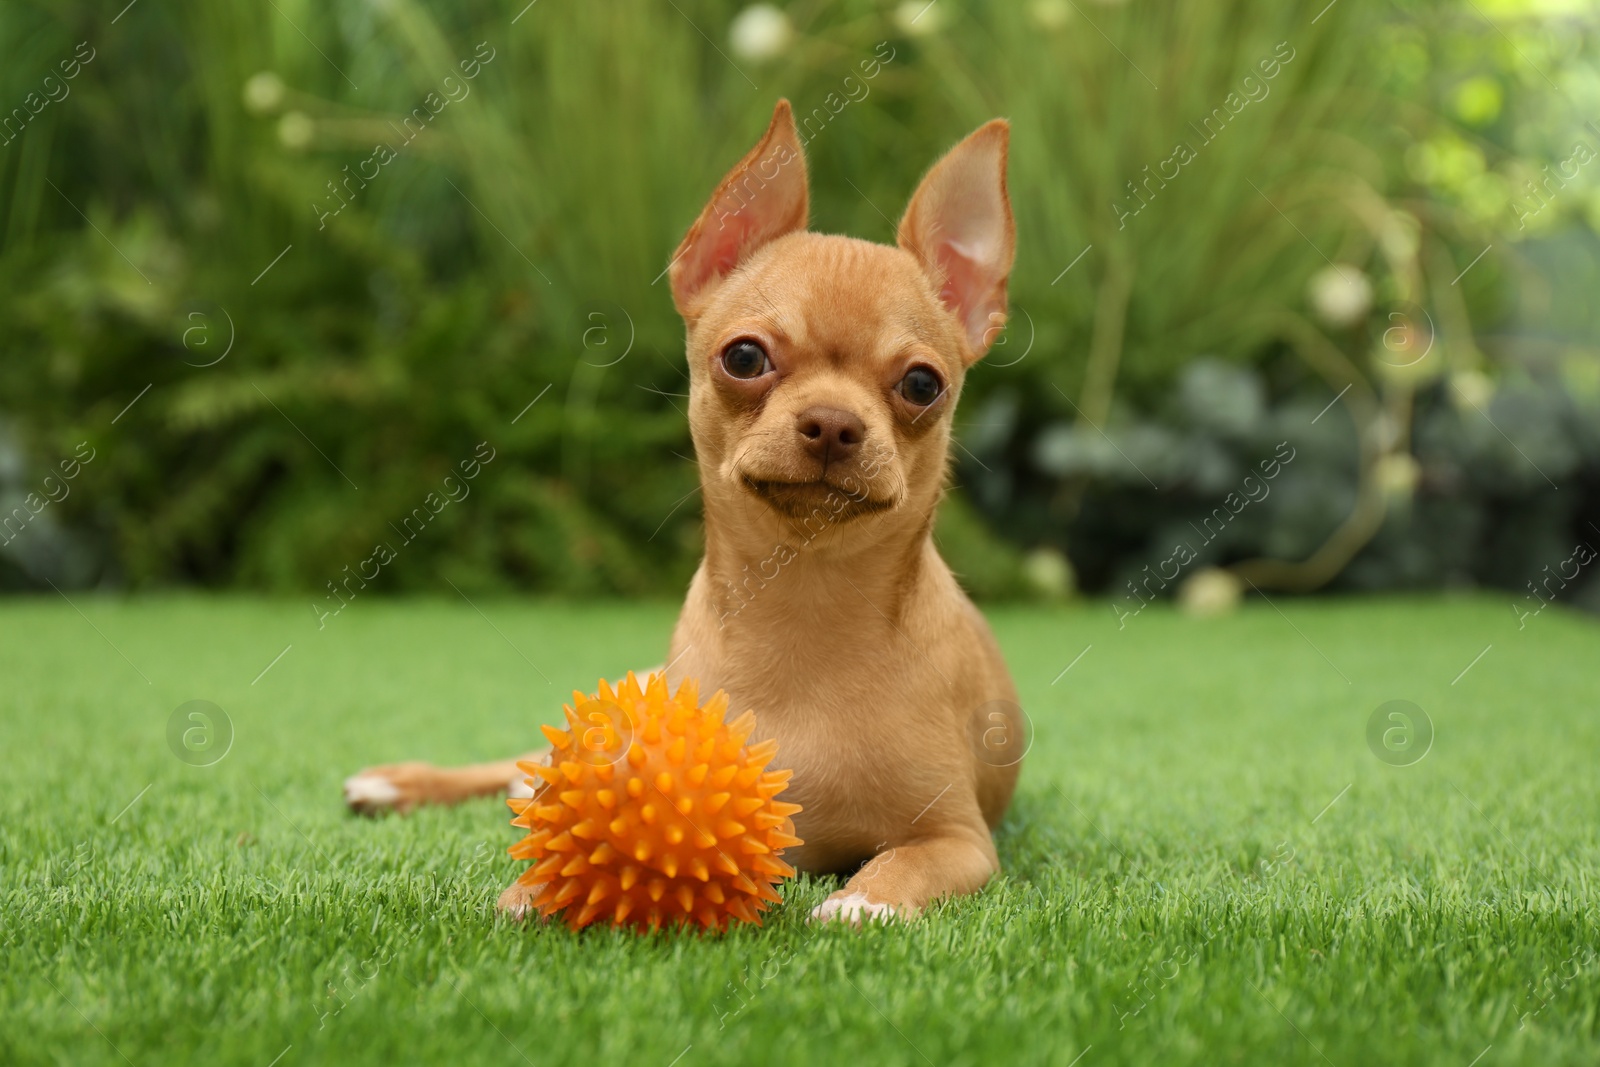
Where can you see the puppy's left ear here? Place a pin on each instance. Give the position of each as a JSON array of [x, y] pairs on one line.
[[959, 226]]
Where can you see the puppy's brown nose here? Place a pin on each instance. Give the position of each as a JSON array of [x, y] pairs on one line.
[[829, 433]]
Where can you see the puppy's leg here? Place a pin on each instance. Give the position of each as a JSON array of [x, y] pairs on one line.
[[900, 881], [402, 786]]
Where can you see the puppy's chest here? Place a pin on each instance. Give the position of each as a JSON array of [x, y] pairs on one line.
[[861, 765]]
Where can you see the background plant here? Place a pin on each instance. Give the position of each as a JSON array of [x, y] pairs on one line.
[[512, 252]]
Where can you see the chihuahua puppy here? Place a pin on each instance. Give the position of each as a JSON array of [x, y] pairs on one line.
[[824, 373]]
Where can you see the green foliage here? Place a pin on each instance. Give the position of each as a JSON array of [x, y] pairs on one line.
[[987, 567], [205, 184]]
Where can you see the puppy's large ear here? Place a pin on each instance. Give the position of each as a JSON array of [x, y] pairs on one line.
[[959, 226], [763, 197]]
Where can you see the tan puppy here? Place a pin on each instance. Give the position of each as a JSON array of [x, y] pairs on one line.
[[824, 372]]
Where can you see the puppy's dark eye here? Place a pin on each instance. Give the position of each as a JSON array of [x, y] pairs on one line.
[[745, 359], [921, 386]]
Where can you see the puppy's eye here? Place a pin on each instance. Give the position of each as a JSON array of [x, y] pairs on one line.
[[745, 359], [921, 386]]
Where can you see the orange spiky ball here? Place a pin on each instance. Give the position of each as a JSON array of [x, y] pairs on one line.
[[653, 811]]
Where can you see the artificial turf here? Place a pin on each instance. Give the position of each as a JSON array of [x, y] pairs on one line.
[[1205, 862]]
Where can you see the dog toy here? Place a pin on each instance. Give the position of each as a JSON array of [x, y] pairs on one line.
[[653, 811]]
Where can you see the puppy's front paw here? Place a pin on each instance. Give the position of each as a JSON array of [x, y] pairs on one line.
[[396, 787], [517, 901], [853, 908]]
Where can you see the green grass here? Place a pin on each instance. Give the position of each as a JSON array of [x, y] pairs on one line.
[[1166, 837]]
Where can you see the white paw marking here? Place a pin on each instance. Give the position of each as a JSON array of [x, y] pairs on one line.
[[853, 909], [520, 789], [516, 902], [370, 791], [516, 911]]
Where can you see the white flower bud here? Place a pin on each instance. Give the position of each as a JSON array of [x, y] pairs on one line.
[[1397, 475], [760, 32], [263, 93], [1209, 592], [1472, 389], [1340, 295], [1050, 14], [1049, 573], [918, 18], [296, 130]]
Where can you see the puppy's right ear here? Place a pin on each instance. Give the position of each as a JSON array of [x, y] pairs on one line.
[[763, 197], [959, 225]]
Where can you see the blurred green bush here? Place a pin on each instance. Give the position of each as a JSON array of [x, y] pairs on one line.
[[284, 266]]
